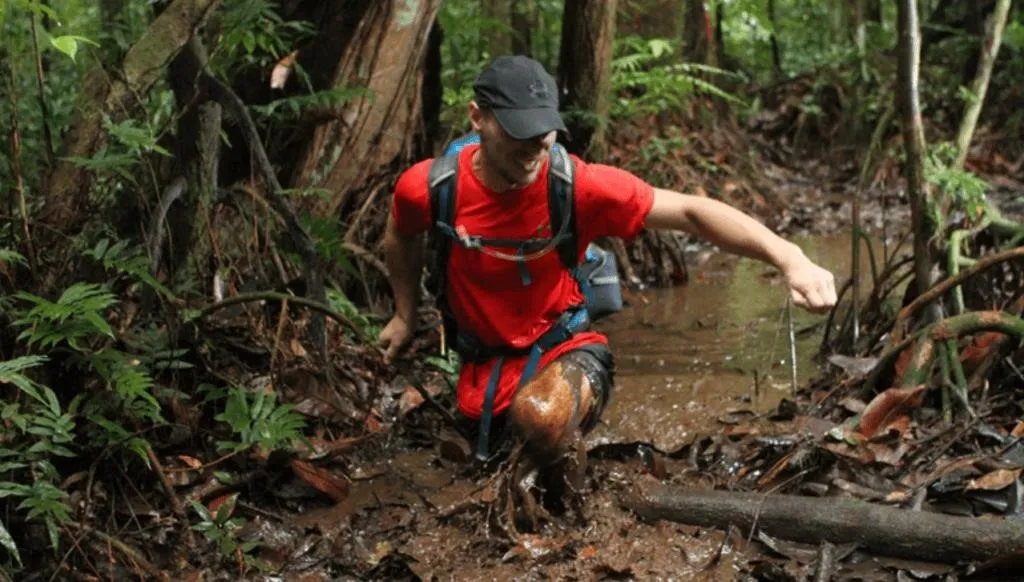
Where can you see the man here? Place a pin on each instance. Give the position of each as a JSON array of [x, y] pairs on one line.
[[508, 305]]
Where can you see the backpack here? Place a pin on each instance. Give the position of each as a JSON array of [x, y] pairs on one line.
[[597, 275]]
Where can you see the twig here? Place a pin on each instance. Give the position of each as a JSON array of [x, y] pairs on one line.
[[74, 545], [176, 506], [277, 334], [826, 335], [102, 454], [960, 387], [979, 86], [366, 255], [275, 296], [19, 182], [792, 344], [48, 139], [944, 285], [300, 238], [156, 226], [132, 554], [437, 406], [952, 328], [855, 230]]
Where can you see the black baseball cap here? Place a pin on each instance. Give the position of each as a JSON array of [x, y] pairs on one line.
[[522, 95]]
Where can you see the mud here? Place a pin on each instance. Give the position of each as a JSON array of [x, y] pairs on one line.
[[694, 361]]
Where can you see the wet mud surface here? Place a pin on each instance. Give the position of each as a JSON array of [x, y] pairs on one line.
[[703, 400], [711, 358]]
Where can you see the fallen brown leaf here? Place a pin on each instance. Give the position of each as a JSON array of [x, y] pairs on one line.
[[978, 349], [190, 461], [885, 454], [994, 481], [297, 349], [410, 400], [321, 480], [1018, 430], [886, 407], [281, 71]]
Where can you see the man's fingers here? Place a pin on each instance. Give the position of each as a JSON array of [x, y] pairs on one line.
[[391, 353], [810, 300]]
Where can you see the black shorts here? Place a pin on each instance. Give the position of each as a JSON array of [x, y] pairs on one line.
[[597, 363]]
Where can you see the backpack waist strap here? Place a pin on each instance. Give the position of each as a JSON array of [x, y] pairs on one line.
[[571, 322]]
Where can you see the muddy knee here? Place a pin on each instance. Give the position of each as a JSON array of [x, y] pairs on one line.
[[548, 409]]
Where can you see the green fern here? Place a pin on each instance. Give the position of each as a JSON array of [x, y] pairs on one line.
[[639, 67], [132, 262], [38, 430], [131, 382], [76, 315], [13, 257], [258, 419], [11, 372]]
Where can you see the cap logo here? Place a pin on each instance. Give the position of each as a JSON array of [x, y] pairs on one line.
[[538, 90]]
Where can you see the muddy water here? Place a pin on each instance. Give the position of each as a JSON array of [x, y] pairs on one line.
[[688, 356]]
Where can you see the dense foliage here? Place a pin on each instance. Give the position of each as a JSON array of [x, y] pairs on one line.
[[87, 374]]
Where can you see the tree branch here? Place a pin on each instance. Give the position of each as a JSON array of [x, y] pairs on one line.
[[300, 238]]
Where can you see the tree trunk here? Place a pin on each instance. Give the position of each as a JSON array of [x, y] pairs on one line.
[[497, 39], [197, 148], [588, 29], [989, 51], [522, 39], [380, 46], [837, 20], [773, 39], [433, 93], [913, 140], [698, 46], [111, 13], [66, 206], [719, 33], [874, 11], [860, 36]]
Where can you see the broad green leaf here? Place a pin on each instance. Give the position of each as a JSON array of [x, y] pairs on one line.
[[660, 47], [8, 543], [65, 44]]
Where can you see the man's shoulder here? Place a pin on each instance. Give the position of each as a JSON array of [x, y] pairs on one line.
[[600, 175], [414, 178]]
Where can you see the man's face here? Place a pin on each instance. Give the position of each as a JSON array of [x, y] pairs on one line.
[[516, 161]]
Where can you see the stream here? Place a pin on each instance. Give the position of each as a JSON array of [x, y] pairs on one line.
[[685, 356]]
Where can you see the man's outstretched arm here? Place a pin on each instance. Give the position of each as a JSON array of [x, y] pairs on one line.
[[404, 258], [812, 287]]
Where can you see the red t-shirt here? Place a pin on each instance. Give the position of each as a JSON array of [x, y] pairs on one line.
[[486, 294]]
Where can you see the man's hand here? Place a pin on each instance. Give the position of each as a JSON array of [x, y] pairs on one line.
[[811, 287], [394, 336]]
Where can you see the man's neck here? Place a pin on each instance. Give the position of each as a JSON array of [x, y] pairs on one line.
[[490, 177]]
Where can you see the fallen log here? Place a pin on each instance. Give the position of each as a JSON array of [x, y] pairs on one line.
[[878, 529]]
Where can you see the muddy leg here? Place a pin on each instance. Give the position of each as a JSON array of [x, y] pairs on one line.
[[551, 413], [550, 408]]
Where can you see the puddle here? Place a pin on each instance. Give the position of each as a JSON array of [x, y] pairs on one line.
[[691, 354]]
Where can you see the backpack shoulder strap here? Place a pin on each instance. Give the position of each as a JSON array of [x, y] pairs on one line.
[[441, 180], [562, 204]]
